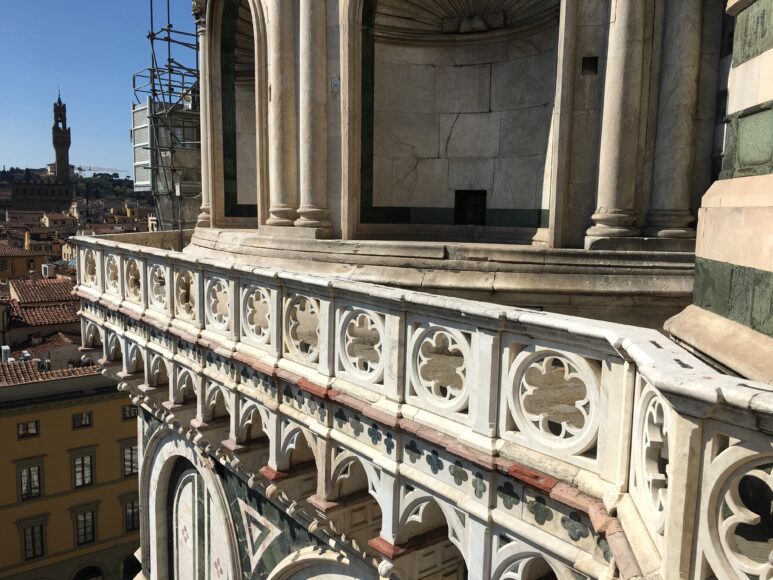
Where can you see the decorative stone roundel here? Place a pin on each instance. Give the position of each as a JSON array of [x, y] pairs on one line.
[[744, 514], [653, 456], [218, 303], [302, 328], [554, 399], [185, 294], [360, 344], [158, 285], [111, 274], [133, 280], [439, 363], [256, 311], [90, 268]]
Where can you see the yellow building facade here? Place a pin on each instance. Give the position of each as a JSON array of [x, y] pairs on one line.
[[68, 484]]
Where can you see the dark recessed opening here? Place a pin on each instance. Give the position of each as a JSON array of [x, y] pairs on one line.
[[590, 65], [470, 207]]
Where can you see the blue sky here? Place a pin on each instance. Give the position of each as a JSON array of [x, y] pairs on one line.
[[89, 48]]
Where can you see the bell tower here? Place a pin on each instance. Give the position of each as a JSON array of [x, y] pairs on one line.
[[61, 135]]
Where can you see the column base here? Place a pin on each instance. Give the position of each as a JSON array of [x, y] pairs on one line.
[[204, 220], [670, 223], [640, 244], [312, 218], [303, 233], [613, 223], [669, 232], [282, 216]]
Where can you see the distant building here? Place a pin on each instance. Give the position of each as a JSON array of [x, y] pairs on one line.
[[46, 192], [68, 483], [16, 262]]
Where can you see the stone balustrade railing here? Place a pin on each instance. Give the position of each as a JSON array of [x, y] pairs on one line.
[[621, 413]]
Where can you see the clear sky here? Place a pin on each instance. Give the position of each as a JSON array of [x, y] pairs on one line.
[[89, 48]]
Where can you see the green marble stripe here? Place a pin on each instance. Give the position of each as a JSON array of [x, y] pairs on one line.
[[753, 31], [741, 294]]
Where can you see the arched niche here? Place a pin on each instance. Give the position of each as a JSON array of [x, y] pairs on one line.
[[238, 102], [188, 513], [452, 112]]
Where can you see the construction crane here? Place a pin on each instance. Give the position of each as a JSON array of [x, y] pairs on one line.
[[100, 169]]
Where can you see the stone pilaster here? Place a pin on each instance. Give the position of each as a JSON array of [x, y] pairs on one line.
[[313, 211], [669, 215]]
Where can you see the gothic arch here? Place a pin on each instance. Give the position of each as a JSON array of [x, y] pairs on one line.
[[217, 404], [135, 358], [158, 373], [519, 561], [253, 422], [419, 513], [341, 469], [316, 563]]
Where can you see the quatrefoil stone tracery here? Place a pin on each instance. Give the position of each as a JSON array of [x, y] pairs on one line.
[[553, 399], [111, 274], [654, 456], [361, 343], [185, 294], [257, 314], [158, 285], [302, 328], [90, 268], [439, 368], [744, 516], [218, 303], [133, 280]]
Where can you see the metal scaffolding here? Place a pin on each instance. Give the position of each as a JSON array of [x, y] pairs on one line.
[[166, 121]]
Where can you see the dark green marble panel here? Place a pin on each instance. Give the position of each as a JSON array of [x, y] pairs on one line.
[[292, 537], [749, 143], [738, 293], [753, 31]]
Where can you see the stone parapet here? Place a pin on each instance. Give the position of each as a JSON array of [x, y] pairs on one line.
[[583, 437]]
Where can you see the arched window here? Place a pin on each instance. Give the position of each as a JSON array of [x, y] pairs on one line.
[[241, 110]]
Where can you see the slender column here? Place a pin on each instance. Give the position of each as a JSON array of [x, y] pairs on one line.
[[283, 156], [313, 115], [618, 160], [200, 12], [669, 215]]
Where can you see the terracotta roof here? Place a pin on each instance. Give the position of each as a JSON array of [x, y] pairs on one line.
[[43, 315], [38, 290], [23, 372], [8, 251], [50, 343]]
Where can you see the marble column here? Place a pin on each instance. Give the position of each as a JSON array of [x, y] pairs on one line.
[[616, 213], [313, 115], [669, 215], [283, 155], [204, 219]]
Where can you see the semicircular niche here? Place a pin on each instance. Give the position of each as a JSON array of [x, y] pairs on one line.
[[457, 102], [436, 18]]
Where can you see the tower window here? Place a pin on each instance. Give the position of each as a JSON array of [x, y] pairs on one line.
[[470, 207]]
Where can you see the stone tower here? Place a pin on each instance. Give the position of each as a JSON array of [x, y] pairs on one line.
[[61, 137]]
